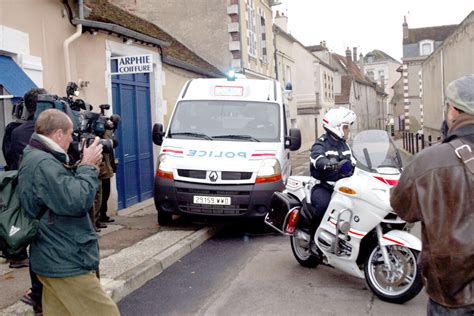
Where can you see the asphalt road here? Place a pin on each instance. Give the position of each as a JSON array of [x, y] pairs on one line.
[[251, 271]]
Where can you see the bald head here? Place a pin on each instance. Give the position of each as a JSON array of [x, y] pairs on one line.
[[52, 120]]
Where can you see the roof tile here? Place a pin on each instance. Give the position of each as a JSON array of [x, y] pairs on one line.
[[103, 11], [435, 33]]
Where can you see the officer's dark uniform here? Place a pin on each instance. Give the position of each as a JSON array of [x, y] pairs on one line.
[[327, 150]]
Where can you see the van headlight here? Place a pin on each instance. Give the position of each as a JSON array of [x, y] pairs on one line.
[[165, 167], [269, 171]]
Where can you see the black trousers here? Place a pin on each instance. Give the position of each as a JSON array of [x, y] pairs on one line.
[[320, 198], [105, 197]]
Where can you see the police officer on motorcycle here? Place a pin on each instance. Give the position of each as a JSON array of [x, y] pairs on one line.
[[331, 159]]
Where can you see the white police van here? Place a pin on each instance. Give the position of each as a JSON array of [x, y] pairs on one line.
[[225, 151]]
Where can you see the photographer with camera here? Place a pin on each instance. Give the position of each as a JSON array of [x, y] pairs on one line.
[[103, 127], [65, 254], [107, 168], [87, 125]]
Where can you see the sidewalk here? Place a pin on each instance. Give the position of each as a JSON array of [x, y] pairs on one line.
[[134, 249]]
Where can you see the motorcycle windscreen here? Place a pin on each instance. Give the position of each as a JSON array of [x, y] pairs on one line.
[[279, 214]]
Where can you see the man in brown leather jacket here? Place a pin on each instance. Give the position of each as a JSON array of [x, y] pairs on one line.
[[437, 188]]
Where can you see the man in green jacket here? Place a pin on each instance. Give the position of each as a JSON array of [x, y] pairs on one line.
[[65, 252]]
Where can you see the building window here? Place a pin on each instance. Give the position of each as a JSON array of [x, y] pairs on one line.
[[262, 36], [331, 87], [288, 74], [251, 29], [370, 59], [370, 74], [426, 47], [381, 76], [381, 73]]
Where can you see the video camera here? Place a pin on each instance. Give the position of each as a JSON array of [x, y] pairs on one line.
[[86, 124]]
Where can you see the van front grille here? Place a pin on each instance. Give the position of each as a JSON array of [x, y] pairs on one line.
[[226, 175]]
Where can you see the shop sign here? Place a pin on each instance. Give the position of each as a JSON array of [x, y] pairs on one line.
[[133, 64]]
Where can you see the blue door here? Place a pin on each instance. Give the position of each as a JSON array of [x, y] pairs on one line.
[[131, 100]]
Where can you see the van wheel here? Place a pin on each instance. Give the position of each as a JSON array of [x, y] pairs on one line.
[[165, 218]]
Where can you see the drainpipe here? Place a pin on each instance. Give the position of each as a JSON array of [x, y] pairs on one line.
[[71, 39]]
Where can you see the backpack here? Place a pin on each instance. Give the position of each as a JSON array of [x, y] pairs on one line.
[[17, 228]]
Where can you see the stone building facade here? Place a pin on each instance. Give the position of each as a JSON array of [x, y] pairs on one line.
[[418, 44], [231, 34]]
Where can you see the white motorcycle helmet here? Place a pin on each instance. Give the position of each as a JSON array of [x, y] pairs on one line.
[[336, 119]]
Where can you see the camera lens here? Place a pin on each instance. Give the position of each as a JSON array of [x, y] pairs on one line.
[[107, 145]]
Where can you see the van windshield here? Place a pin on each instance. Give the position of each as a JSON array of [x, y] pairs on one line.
[[226, 120]]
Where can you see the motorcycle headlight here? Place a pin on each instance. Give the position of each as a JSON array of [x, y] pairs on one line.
[[269, 171], [165, 167]]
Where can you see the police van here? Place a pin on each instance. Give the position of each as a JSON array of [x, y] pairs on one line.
[[225, 151]]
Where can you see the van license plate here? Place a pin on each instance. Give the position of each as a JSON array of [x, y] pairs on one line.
[[212, 200]]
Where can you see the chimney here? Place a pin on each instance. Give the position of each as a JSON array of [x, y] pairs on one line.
[[354, 54], [348, 55], [281, 21], [405, 27]]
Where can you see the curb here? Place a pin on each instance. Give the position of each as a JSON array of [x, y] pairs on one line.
[[137, 277], [136, 207]]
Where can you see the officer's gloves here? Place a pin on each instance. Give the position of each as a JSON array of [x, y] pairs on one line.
[[344, 167]]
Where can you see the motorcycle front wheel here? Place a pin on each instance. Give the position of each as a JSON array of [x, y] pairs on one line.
[[399, 283], [303, 253]]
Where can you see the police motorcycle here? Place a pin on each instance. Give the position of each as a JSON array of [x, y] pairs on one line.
[[359, 234]]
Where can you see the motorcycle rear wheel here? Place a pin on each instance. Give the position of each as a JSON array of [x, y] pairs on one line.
[[399, 284], [303, 253]]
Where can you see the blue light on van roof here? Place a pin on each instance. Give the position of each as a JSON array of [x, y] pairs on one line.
[[231, 75]]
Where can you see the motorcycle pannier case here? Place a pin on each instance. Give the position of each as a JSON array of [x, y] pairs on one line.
[[281, 206]]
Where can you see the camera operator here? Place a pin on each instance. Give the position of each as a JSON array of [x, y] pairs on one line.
[[107, 168], [65, 254]]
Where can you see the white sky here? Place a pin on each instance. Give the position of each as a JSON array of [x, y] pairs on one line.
[[367, 24]]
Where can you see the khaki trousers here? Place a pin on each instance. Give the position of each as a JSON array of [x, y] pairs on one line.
[[77, 295]]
